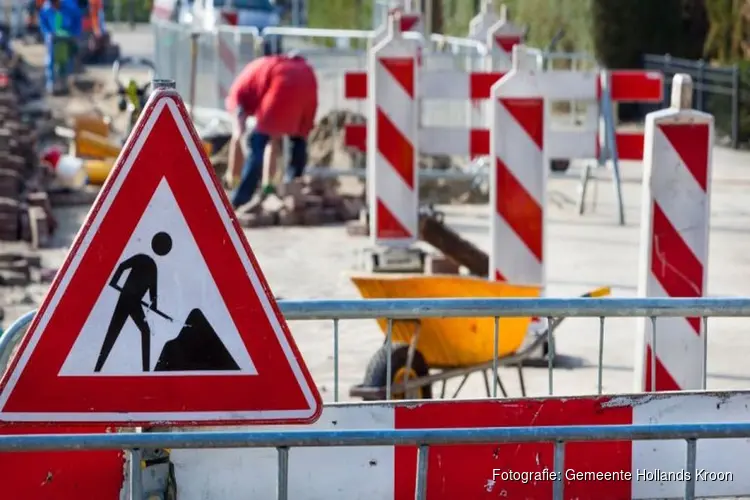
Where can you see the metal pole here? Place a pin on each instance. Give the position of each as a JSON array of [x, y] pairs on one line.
[[134, 471], [428, 7], [735, 106], [193, 70], [163, 83]]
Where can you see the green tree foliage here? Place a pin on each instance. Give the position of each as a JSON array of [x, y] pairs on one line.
[[724, 41], [624, 31], [341, 14]]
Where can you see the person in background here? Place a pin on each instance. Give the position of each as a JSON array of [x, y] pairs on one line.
[[5, 47], [281, 92], [60, 25]]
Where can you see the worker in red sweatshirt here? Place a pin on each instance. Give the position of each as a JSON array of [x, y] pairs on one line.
[[281, 92]]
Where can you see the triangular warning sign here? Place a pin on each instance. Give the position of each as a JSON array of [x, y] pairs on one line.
[[160, 313]]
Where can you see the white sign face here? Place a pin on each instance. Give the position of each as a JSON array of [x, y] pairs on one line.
[[190, 313]]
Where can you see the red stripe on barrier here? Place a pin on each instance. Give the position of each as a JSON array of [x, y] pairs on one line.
[[664, 379], [409, 21], [397, 150], [673, 264], [466, 471], [630, 145], [479, 142], [355, 136], [480, 84], [355, 85], [61, 475], [637, 86], [529, 113], [690, 142], [507, 42], [519, 209], [402, 70], [388, 225]]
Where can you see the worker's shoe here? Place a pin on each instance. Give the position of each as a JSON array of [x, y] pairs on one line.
[[256, 203]]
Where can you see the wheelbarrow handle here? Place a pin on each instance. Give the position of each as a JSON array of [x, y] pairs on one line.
[[599, 292]]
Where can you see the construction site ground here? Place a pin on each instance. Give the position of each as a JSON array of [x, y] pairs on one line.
[[585, 252]]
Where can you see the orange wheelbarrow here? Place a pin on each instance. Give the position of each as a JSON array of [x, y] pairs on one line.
[[429, 350]]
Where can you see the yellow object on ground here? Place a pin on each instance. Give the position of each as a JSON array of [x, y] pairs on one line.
[[91, 123], [90, 145], [451, 342], [98, 170]]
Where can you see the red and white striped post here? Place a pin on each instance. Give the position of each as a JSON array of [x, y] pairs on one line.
[[501, 38], [478, 111], [674, 240], [482, 22], [392, 140], [409, 20], [227, 61], [518, 176]]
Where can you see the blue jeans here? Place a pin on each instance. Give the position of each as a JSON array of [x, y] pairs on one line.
[[55, 69], [252, 170]]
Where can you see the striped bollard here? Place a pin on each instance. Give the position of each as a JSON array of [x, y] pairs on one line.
[[227, 61], [392, 151], [408, 20], [501, 38], [674, 240], [483, 21], [518, 179]]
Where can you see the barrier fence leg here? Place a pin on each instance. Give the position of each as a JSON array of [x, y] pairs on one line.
[[674, 240], [607, 147], [392, 153], [611, 140]]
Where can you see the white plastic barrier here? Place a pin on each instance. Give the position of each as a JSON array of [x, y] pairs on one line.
[[674, 240], [597, 469]]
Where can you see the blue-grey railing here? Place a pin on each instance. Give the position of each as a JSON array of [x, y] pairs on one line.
[[424, 438], [550, 308], [717, 89]]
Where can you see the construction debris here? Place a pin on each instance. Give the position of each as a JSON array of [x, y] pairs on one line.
[[25, 208], [19, 267], [305, 201], [434, 230], [456, 252]]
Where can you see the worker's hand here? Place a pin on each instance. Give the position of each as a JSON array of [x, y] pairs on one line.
[[230, 181]]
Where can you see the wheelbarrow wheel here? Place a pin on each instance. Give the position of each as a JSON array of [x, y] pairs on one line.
[[377, 370]]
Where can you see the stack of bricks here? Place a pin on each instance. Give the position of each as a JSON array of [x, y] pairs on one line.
[[25, 211], [306, 201]]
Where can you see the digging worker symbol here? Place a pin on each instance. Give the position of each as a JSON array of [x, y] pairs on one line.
[[142, 278]]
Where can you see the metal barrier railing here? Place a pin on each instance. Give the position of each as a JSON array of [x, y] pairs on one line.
[[554, 309], [422, 438]]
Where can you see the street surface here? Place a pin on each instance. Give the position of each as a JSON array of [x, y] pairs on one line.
[[585, 252]]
